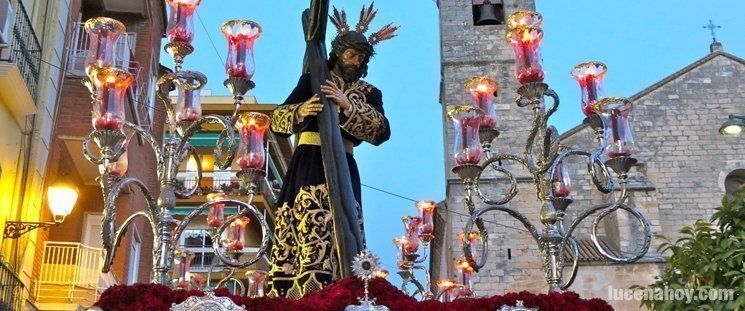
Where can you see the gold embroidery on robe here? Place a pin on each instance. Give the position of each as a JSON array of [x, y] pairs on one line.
[[364, 122], [283, 118], [307, 246]]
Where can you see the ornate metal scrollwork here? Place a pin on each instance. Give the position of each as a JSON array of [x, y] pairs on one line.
[[15, 229], [541, 161], [208, 302]]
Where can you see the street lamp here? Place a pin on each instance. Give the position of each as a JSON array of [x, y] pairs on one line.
[[733, 126], [61, 197]]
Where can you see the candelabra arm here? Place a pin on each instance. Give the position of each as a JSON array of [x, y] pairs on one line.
[[422, 258], [266, 233], [468, 252], [603, 174], [585, 214], [605, 210], [188, 218], [554, 105], [423, 289], [471, 208], [190, 151], [405, 275], [109, 235], [592, 164], [149, 138], [538, 122], [111, 143], [110, 252], [230, 277], [409, 277], [575, 263], [227, 133], [511, 176], [634, 256]]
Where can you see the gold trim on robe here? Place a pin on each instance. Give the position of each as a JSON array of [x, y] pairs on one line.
[[284, 118]]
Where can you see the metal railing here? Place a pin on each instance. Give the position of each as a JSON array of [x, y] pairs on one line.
[[69, 272], [24, 49], [224, 181], [11, 289], [78, 50]]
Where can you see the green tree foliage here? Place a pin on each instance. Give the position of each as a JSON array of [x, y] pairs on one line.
[[709, 255]]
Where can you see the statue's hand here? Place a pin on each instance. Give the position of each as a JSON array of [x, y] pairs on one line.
[[332, 92], [309, 108]]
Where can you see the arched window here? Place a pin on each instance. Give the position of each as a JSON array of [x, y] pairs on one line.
[[734, 180]]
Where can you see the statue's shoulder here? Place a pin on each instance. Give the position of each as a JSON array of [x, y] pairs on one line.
[[365, 86]]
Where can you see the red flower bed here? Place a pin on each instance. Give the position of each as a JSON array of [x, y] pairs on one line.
[[152, 297]]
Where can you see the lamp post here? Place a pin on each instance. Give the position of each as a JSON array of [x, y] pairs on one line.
[[110, 131], [733, 126], [61, 198], [545, 158]]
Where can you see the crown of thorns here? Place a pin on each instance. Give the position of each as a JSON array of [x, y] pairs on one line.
[[367, 14]]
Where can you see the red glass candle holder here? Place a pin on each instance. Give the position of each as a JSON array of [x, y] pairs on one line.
[[181, 20], [241, 35], [482, 90], [615, 112], [189, 105], [251, 128], [466, 123], [562, 182], [182, 265], [590, 76], [447, 288], [426, 210], [216, 214], [526, 43], [401, 252], [256, 283], [111, 87], [236, 233], [103, 33], [521, 19], [412, 224], [471, 239], [464, 273]]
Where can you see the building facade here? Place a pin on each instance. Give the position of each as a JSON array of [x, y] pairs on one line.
[[32, 37], [685, 164], [197, 236], [60, 268]]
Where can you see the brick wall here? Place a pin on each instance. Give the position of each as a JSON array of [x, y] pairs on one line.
[[74, 121]]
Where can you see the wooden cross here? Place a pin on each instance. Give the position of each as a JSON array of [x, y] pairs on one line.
[[347, 235]]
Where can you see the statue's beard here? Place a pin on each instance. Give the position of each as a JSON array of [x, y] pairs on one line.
[[349, 73]]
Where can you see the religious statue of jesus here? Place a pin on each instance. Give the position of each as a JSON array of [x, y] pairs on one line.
[[302, 258]]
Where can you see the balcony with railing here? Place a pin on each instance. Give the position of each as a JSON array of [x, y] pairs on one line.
[[23, 48], [70, 275], [11, 289]]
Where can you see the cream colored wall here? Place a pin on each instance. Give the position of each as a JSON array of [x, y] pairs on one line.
[[10, 144], [50, 20]]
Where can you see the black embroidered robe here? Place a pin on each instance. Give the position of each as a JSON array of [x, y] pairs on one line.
[[302, 258]]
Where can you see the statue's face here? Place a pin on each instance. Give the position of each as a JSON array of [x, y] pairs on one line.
[[350, 64]]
